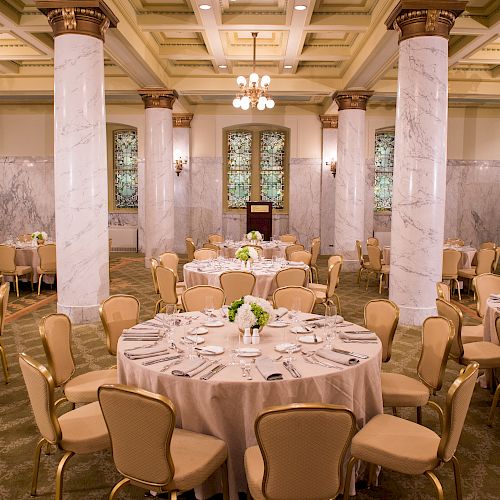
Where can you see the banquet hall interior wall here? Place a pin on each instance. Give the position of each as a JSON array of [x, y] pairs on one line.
[[473, 173]]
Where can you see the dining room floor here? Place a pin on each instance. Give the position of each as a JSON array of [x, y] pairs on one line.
[[91, 477]]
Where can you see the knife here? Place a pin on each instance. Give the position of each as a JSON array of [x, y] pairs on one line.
[[159, 360], [291, 369], [353, 354], [212, 372]]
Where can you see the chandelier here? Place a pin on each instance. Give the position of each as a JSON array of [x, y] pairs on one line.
[[251, 94]]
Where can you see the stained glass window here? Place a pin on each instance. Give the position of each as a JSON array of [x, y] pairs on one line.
[[125, 176], [239, 168], [272, 174], [384, 165]]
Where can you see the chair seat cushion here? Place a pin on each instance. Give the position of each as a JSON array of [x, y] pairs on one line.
[[397, 444], [486, 354], [39, 270], [472, 334], [83, 388], [467, 273], [20, 271], [400, 391], [317, 287], [254, 469], [84, 430]]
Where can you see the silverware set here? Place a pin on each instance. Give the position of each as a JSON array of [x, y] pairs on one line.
[[314, 360], [293, 371]]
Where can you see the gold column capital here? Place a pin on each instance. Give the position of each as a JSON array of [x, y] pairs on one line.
[[80, 17], [352, 99], [329, 121], [158, 97], [182, 120], [412, 18]]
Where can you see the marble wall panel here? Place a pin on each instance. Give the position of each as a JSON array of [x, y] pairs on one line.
[[369, 200], [182, 189], [122, 219]]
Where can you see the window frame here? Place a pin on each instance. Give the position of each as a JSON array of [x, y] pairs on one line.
[[384, 130]]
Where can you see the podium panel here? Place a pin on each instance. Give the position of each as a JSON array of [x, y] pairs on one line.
[[260, 217]]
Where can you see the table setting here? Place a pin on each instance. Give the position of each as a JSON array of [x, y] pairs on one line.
[[270, 249]]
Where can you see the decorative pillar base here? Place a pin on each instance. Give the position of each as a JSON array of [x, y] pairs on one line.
[[415, 316], [80, 315]]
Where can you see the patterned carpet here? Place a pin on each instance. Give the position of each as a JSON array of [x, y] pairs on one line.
[[91, 477]]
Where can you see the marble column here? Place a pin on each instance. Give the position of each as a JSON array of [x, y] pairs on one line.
[[350, 177], [418, 204], [329, 125], [80, 167], [159, 224]]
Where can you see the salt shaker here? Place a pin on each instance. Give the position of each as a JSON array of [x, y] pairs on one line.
[[247, 336], [255, 336]]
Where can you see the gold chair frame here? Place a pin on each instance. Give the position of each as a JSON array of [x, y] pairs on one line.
[[4, 298], [363, 266], [40, 276]]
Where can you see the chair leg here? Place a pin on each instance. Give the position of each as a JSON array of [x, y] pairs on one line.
[[458, 289], [225, 481], [5, 366], [17, 286], [36, 465], [494, 406], [172, 495], [419, 415], [31, 281], [437, 484], [372, 475], [39, 283], [381, 277], [117, 486], [359, 275], [368, 280], [458, 476], [347, 478], [394, 411], [60, 473]]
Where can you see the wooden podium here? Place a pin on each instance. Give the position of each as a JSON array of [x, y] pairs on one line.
[[260, 217]]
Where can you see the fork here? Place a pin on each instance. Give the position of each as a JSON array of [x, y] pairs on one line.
[[169, 365]]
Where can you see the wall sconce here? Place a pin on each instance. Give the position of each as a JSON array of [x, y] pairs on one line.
[[333, 166], [179, 163]]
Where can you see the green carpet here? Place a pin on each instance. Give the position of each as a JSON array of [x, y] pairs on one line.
[[91, 477]]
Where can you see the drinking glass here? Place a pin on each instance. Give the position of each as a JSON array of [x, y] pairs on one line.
[[330, 324], [168, 320], [208, 310]]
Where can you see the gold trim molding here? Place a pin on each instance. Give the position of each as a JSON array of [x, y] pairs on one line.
[[158, 98], [329, 121], [80, 17], [352, 99], [412, 18], [182, 120]]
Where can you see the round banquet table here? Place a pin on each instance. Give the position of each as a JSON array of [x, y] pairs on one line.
[[227, 404], [208, 273], [270, 249], [466, 255]]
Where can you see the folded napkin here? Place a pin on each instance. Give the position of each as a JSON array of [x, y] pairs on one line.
[[358, 335], [280, 312], [268, 368], [146, 353], [189, 368], [337, 357]]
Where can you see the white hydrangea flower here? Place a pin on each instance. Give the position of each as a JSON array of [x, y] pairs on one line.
[[253, 253], [245, 318]]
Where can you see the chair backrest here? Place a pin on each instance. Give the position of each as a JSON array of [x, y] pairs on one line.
[[301, 256], [292, 248], [485, 260], [333, 278], [55, 331], [236, 284], [7, 259], [303, 447], [497, 258], [195, 298], [382, 317], [487, 244], [205, 254], [140, 452], [288, 238], [485, 285], [215, 238], [170, 260], [211, 246], [292, 276], [190, 248], [167, 281], [4, 300], [154, 266], [454, 314], [375, 257], [437, 336], [457, 406], [497, 327], [117, 313], [372, 241], [443, 291], [40, 386], [292, 296], [335, 258], [451, 258], [315, 249], [47, 255], [359, 251]]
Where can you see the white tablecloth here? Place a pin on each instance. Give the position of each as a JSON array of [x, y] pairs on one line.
[[226, 405], [490, 316], [467, 254], [269, 249]]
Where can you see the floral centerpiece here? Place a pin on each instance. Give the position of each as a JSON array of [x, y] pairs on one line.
[[254, 236], [39, 236], [250, 312], [246, 253]]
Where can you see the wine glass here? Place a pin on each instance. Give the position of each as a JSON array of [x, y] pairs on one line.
[[330, 324], [168, 320], [208, 310]]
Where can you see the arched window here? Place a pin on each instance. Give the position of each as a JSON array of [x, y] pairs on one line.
[[256, 165], [384, 166]]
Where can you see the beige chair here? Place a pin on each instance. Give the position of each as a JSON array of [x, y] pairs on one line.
[[8, 266], [211, 246], [171, 260], [484, 265], [167, 288], [497, 258], [215, 238], [292, 248], [47, 256], [290, 296], [236, 284], [4, 299], [376, 267], [190, 249], [382, 317], [451, 259], [487, 354], [76, 432], [409, 448], [195, 298], [363, 266], [399, 390], [372, 241], [443, 291], [487, 244], [154, 266], [291, 276], [55, 331], [336, 258], [118, 313], [325, 293], [155, 455], [205, 254], [301, 256], [315, 251], [300, 453], [288, 238]]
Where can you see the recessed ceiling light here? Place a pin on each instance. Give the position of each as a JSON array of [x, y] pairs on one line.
[[300, 7], [205, 6], [222, 66], [287, 66]]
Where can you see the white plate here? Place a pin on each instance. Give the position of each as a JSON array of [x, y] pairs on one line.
[[211, 350], [193, 339], [309, 339], [200, 330], [284, 347], [301, 329], [248, 352], [277, 324], [213, 324]]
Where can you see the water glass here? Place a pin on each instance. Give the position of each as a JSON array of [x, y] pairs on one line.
[[208, 310], [330, 324]]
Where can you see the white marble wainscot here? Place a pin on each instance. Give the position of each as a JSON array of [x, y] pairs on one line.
[[419, 177], [122, 219], [182, 189], [235, 225], [472, 201], [206, 197], [80, 172], [26, 195], [305, 196]]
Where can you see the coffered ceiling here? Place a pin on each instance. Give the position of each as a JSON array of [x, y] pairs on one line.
[[310, 53]]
